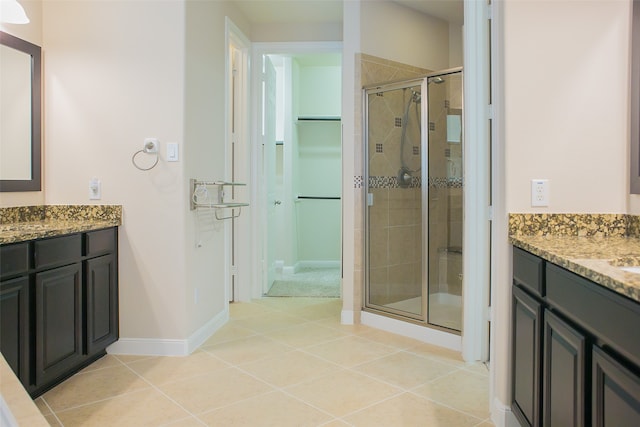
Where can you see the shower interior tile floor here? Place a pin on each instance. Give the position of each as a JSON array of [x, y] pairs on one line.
[[280, 362]]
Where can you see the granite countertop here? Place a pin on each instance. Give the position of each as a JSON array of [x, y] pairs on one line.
[[594, 246], [20, 232], [591, 257], [36, 222]]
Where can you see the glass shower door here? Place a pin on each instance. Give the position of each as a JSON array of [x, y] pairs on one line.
[[394, 199], [414, 207], [444, 245]]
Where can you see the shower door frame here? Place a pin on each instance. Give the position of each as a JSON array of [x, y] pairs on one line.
[[422, 81], [373, 89]]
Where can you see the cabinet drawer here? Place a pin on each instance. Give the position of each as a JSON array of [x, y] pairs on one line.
[[57, 251], [100, 242], [14, 259], [528, 271], [598, 310]]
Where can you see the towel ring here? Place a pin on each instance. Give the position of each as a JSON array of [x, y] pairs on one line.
[[133, 160]]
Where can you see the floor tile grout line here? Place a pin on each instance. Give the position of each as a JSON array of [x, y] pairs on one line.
[[175, 402], [291, 347], [274, 389], [52, 411], [93, 402], [445, 405]]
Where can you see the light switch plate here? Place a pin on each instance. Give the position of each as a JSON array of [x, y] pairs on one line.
[[172, 152]]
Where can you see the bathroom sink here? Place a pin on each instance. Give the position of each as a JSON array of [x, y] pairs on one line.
[[630, 264]]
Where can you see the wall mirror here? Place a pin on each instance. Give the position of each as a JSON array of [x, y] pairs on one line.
[[635, 100], [20, 114]]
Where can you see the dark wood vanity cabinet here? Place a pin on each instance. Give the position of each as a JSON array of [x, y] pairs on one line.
[[575, 349], [60, 308], [526, 321]]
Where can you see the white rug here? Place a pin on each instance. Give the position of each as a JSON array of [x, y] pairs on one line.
[[310, 282]]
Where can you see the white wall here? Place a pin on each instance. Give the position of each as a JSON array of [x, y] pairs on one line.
[[295, 32], [566, 85]]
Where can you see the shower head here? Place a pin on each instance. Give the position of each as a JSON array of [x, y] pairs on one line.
[[437, 80], [416, 96]]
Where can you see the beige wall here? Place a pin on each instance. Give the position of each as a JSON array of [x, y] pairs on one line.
[[110, 82], [394, 32], [565, 88], [116, 73], [32, 33], [204, 156], [566, 85]]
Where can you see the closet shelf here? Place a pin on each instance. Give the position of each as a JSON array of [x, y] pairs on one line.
[[306, 119]]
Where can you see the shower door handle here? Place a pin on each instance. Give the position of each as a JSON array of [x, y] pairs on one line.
[[277, 202]]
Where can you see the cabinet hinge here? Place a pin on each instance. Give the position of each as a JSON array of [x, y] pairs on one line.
[[489, 12], [489, 314], [490, 111], [490, 213]]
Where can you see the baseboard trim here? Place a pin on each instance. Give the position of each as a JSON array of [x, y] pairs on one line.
[[410, 330], [347, 317], [169, 347], [502, 416]]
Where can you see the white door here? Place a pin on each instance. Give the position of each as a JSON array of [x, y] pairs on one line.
[[269, 167]]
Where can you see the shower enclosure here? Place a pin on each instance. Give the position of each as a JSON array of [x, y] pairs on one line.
[[414, 183]]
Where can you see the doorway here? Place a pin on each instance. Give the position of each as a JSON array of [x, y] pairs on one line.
[[300, 170]]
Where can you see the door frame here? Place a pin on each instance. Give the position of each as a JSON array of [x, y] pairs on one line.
[[237, 156], [257, 199]]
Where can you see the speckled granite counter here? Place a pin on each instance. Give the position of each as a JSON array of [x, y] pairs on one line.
[[35, 222], [587, 245]]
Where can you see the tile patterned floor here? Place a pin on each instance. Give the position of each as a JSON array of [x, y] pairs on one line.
[[280, 362]]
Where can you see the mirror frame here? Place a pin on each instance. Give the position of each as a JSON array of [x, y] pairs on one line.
[[634, 151], [35, 52]]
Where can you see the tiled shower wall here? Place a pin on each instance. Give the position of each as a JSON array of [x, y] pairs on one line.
[[395, 223]]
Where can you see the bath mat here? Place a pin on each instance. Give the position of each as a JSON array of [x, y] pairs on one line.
[[311, 282]]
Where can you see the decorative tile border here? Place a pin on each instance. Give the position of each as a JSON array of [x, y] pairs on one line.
[[416, 182]]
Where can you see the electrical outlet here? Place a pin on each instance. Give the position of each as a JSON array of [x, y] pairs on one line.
[[95, 189], [539, 192]]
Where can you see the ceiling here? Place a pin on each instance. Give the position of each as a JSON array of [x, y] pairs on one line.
[[323, 11]]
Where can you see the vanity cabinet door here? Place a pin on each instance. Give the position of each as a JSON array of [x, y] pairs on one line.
[[563, 384], [14, 326], [102, 303], [615, 392], [526, 356], [58, 328]]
